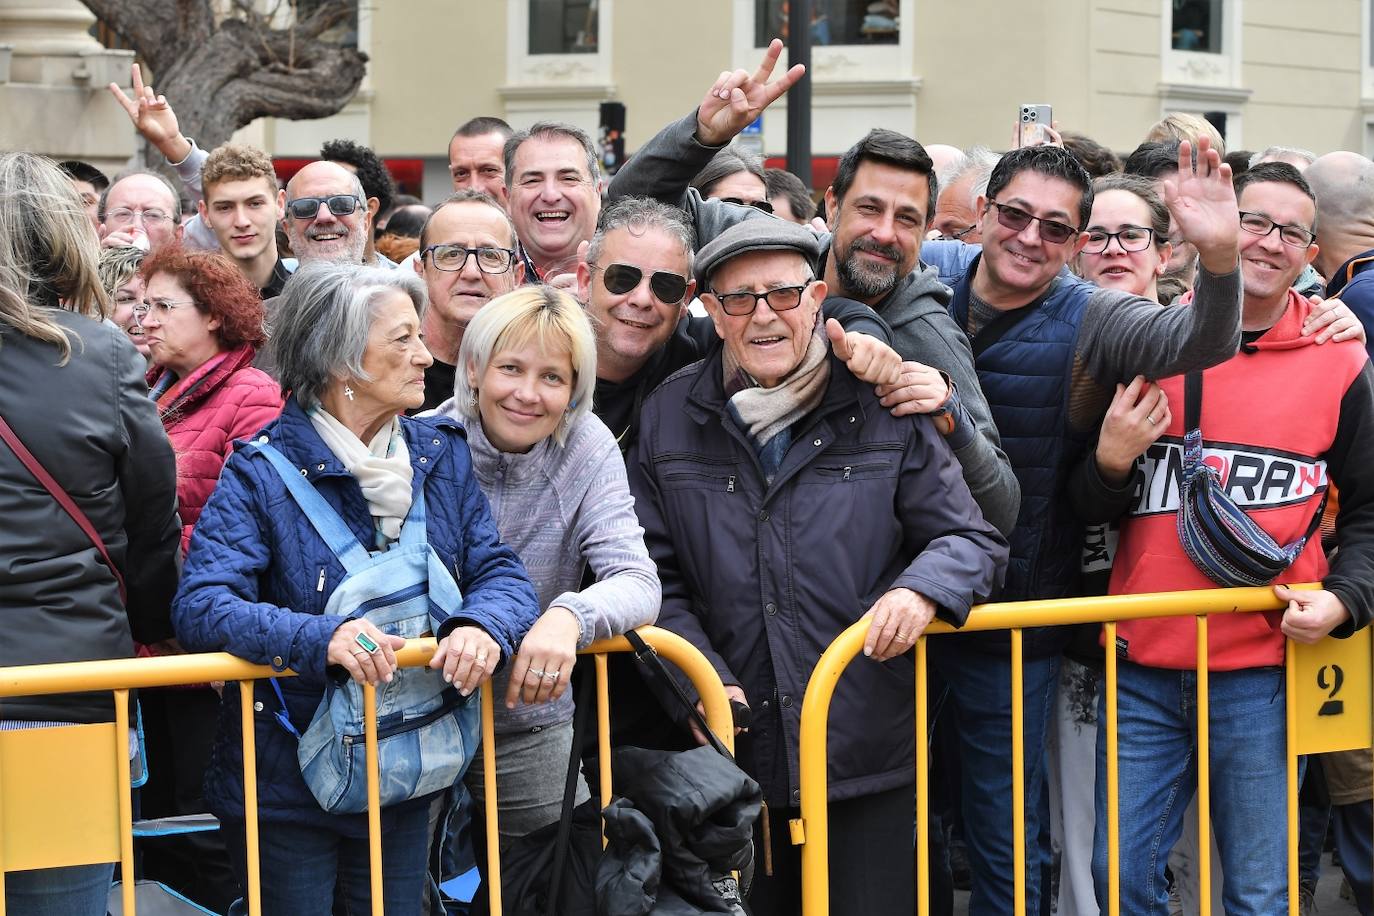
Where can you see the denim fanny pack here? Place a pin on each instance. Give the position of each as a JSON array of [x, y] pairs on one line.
[[1224, 543], [427, 732]]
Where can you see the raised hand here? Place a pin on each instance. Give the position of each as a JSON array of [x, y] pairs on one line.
[[737, 98], [1203, 204], [152, 117]]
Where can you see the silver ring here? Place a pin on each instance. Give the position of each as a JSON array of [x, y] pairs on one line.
[[537, 672], [903, 636], [361, 652], [1151, 418], [552, 675]]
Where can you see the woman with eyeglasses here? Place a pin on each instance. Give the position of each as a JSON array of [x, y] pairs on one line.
[[556, 482], [202, 322], [119, 276], [736, 178]]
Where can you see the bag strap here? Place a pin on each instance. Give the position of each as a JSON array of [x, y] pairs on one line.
[[55, 490], [581, 713], [657, 671], [321, 515], [1192, 401]]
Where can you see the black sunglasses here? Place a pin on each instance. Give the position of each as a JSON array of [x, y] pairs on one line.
[[1016, 219], [667, 287], [763, 205], [307, 207]]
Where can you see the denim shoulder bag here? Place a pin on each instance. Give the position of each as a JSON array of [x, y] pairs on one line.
[[426, 731], [1224, 543]]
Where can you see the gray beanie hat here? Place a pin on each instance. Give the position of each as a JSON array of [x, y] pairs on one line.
[[760, 234]]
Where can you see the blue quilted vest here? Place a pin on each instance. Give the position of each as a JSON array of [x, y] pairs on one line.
[[1025, 376]]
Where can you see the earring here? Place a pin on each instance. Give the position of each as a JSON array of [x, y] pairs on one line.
[[472, 400], [348, 392]]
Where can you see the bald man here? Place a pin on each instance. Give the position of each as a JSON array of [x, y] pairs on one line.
[[326, 214], [1344, 185], [945, 158]]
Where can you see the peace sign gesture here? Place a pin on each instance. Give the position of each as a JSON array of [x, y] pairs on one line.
[[737, 98], [1203, 204], [152, 117]]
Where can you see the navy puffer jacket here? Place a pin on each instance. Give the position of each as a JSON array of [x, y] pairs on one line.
[[258, 577]]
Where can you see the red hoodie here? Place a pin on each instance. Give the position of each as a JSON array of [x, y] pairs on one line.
[[1270, 415]]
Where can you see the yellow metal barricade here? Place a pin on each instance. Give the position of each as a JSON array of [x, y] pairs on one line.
[[1305, 733], [65, 796]]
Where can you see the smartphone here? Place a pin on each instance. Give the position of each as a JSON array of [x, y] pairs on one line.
[[1031, 124]]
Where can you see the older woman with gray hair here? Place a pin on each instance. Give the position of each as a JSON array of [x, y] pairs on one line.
[[556, 481], [260, 575]]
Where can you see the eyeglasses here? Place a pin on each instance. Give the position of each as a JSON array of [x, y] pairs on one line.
[[781, 299], [123, 216], [763, 205], [455, 258], [1016, 219], [1131, 238], [159, 307], [668, 288], [308, 207], [957, 236], [1259, 224]]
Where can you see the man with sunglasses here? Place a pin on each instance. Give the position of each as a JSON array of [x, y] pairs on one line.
[[326, 214], [467, 257], [1284, 420]]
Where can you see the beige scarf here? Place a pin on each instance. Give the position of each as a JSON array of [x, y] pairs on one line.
[[382, 468]]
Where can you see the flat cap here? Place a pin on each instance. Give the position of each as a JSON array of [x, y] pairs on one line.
[[759, 234]]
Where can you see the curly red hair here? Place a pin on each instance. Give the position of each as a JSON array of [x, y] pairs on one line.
[[219, 289]]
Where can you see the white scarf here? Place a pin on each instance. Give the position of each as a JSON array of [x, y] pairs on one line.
[[382, 468]]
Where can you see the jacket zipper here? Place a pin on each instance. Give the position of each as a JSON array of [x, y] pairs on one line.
[[730, 484], [319, 586]]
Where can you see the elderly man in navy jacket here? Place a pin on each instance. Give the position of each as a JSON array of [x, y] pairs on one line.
[[782, 502]]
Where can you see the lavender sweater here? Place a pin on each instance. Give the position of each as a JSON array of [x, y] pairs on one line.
[[562, 509]]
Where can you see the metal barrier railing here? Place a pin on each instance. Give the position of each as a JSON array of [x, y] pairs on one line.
[[810, 831], [122, 675]]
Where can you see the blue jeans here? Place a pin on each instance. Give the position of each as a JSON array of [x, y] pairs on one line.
[[980, 704], [1157, 759], [301, 865], [75, 890]]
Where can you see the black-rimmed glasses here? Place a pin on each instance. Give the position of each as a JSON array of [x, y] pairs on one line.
[[1016, 219], [957, 236], [1130, 238], [1259, 224], [781, 299], [490, 260], [668, 288], [308, 207]]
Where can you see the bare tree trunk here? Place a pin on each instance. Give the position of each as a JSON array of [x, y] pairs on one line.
[[221, 74]]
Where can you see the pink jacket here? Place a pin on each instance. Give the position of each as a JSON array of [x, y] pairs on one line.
[[223, 400]]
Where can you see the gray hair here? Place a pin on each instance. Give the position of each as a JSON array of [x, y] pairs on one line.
[[323, 319], [1284, 154], [548, 317], [470, 196], [551, 130], [978, 162], [130, 173], [637, 215]]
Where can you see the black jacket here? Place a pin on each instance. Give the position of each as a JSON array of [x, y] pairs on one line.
[[762, 578], [682, 823], [91, 425]]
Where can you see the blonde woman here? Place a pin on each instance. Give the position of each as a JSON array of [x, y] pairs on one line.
[[556, 483]]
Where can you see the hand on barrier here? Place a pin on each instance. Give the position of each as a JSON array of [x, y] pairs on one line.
[[737, 98], [918, 389], [1138, 415], [1310, 615], [736, 695], [467, 656], [868, 358], [899, 618], [349, 647], [1333, 319], [543, 666]]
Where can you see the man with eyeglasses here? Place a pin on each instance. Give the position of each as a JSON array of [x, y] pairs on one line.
[[326, 214], [781, 502], [139, 209], [956, 218], [467, 257], [1284, 420]]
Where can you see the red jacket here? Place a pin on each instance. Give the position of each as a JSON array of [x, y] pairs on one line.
[[222, 400], [1270, 421]]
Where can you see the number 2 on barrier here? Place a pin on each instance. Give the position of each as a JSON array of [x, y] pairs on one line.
[[1333, 699]]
